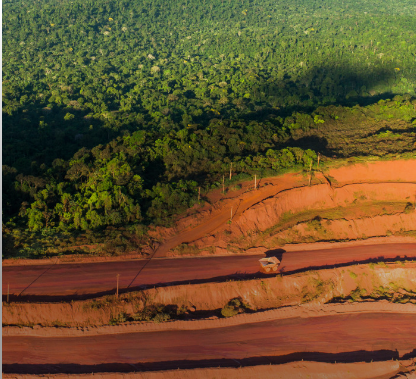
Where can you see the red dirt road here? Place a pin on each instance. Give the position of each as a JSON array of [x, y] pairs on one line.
[[326, 338], [98, 278]]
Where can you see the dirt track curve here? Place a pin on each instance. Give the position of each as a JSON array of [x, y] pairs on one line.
[[330, 338], [74, 280]]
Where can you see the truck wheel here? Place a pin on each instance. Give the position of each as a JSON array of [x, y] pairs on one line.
[[275, 268], [267, 269]]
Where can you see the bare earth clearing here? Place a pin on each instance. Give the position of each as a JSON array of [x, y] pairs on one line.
[[288, 319], [257, 214]]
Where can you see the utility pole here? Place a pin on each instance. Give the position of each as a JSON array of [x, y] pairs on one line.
[[319, 158], [310, 174], [118, 276], [223, 186], [255, 182], [231, 219], [231, 169]]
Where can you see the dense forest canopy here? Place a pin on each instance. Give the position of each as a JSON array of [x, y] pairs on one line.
[[114, 112]]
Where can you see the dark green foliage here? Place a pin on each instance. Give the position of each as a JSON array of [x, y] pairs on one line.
[[158, 313], [233, 308], [121, 317]]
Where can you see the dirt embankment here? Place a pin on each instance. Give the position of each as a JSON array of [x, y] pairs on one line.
[[360, 282], [303, 311], [303, 369], [319, 213], [349, 203]]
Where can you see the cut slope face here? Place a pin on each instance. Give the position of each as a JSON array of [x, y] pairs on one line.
[[273, 215]]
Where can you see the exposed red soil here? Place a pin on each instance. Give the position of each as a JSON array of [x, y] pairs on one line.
[[300, 369], [96, 278], [351, 229], [352, 334], [332, 245], [309, 288], [262, 208], [322, 197], [303, 311], [388, 171]]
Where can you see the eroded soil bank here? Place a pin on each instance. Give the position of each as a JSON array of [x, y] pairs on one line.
[[303, 311], [396, 282], [314, 214], [343, 204]]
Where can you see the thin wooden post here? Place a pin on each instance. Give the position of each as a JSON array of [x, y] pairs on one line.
[[319, 158], [231, 169], [118, 276], [199, 193], [223, 185], [310, 173], [255, 182], [231, 219]]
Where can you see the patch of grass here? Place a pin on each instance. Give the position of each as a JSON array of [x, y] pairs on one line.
[[314, 289], [353, 275], [158, 313], [101, 303], [186, 249], [121, 317], [233, 308]]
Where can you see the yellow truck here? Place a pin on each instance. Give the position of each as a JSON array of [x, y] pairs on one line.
[[269, 264]]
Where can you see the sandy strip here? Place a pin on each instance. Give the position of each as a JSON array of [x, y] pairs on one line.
[[302, 311]]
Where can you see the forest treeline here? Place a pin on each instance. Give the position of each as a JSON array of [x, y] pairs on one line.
[[116, 112], [146, 177]]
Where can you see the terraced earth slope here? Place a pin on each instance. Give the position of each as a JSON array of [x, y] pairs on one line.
[[347, 245], [355, 202]]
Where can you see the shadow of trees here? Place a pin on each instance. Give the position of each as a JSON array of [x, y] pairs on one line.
[[34, 134]]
